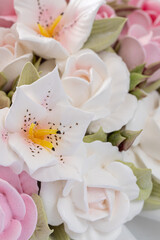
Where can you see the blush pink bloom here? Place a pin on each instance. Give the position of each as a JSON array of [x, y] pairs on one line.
[[140, 40], [18, 213], [151, 7], [105, 11], [7, 13]]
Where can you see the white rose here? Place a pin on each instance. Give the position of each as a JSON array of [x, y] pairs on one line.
[[13, 55], [100, 85], [146, 148], [97, 207]]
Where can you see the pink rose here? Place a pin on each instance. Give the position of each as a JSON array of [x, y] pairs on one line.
[[105, 11], [18, 213], [140, 40], [7, 13], [152, 8]]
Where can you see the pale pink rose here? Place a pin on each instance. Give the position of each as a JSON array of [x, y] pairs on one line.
[[105, 11], [7, 13], [140, 40], [151, 7], [18, 213]]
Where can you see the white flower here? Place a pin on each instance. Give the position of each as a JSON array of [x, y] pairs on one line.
[[13, 54], [52, 28], [98, 206], [100, 86], [146, 150], [44, 130]]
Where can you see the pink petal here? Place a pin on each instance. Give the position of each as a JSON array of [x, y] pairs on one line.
[[7, 7], [137, 31], [30, 220], [152, 53], [137, 3], [14, 200], [152, 5], [6, 210], [141, 18], [105, 11], [132, 52], [29, 185], [8, 175], [155, 76], [12, 232]]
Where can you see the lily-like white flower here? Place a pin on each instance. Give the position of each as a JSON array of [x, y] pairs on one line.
[[52, 29], [44, 130], [145, 150], [13, 54], [99, 85], [97, 207]]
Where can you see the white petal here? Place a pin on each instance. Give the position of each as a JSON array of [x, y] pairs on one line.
[[79, 191], [50, 193], [29, 11], [42, 46], [78, 19], [91, 233], [8, 157], [23, 111], [119, 214], [47, 91], [117, 118], [144, 108], [126, 179], [13, 69], [46, 67], [7, 57], [67, 212], [135, 209]]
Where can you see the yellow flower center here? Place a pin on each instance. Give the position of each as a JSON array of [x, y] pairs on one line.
[[50, 31], [38, 136]]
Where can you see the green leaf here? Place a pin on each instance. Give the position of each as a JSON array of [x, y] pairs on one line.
[[104, 33], [144, 180], [138, 69], [59, 234], [100, 135], [37, 63], [130, 137], [28, 75], [138, 93], [153, 202], [151, 87], [152, 68], [3, 80], [135, 79], [116, 138], [4, 100], [123, 139], [42, 231]]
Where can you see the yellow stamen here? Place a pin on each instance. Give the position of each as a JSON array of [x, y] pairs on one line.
[[54, 25], [49, 32], [43, 132], [43, 31], [37, 136]]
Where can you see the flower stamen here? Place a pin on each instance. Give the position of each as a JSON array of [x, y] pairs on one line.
[[37, 136], [50, 31]]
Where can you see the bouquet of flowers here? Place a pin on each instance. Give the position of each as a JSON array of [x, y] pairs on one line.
[[79, 118]]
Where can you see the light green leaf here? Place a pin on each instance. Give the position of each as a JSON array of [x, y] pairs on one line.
[[37, 63], [42, 231], [59, 234], [153, 202], [135, 79], [116, 138], [151, 87], [98, 136], [138, 69], [144, 180], [3, 80], [130, 137], [152, 68], [104, 33], [4, 100], [138, 93], [28, 75]]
